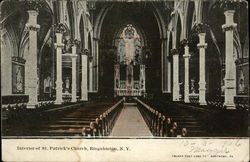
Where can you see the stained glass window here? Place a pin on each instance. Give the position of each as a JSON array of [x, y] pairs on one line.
[[129, 46]]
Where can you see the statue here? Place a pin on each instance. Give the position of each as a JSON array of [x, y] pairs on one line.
[[67, 85], [241, 85], [192, 88], [19, 80], [47, 84]]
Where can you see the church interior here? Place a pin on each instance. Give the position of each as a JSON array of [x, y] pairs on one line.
[[76, 68]]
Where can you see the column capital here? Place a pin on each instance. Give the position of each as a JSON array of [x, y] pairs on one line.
[[202, 45], [60, 28], [184, 42], [229, 12], [174, 51], [18, 59], [202, 34], [59, 45], [76, 42], [230, 4], [91, 6], [32, 5], [228, 27], [85, 52], [32, 27], [201, 27]]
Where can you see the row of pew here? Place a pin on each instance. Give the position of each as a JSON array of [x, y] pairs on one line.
[[158, 123], [102, 126], [71, 122]]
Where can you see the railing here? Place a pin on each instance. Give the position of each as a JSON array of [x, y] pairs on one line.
[[158, 123], [125, 92], [45, 101], [194, 98], [103, 125], [215, 101], [66, 98], [14, 101], [20, 101], [242, 102]]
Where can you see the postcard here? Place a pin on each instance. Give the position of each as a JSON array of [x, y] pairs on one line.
[[125, 80]]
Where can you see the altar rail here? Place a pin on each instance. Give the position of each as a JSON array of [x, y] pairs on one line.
[[242, 102], [194, 98], [125, 92], [14, 101], [217, 102]]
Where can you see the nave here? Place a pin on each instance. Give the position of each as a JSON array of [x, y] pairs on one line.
[[119, 118]]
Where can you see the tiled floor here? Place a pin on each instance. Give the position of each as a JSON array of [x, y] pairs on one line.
[[131, 123]]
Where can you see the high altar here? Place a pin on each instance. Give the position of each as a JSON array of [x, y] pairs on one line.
[[129, 78]]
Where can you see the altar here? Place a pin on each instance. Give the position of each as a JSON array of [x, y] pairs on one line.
[[129, 78]]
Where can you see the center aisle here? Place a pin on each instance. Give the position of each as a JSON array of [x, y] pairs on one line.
[[130, 123]]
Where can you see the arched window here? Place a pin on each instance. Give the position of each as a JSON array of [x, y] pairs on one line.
[[129, 46]]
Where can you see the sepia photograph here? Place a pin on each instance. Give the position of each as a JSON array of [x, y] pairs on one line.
[[124, 80]]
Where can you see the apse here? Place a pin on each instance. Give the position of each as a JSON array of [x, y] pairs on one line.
[[118, 20]]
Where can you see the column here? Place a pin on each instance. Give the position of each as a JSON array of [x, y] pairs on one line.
[[230, 80], [31, 77], [186, 85], [59, 45], [176, 86], [90, 74], [84, 84], [116, 79], [164, 65], [95, 64], [73, 86], [202, 83], [168, 64]]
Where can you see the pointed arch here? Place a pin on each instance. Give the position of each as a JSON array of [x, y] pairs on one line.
[[99, 20], [160, 22], [82, 32]]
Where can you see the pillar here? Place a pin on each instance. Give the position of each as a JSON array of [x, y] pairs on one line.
[[73, 86], [176, 86], [202, 83], [84, 84], [90, 75], [169, 66], [32, 77], [59, 45], [116, 79], [230, 74], [95, 64], [186, 84], [164, 62]]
